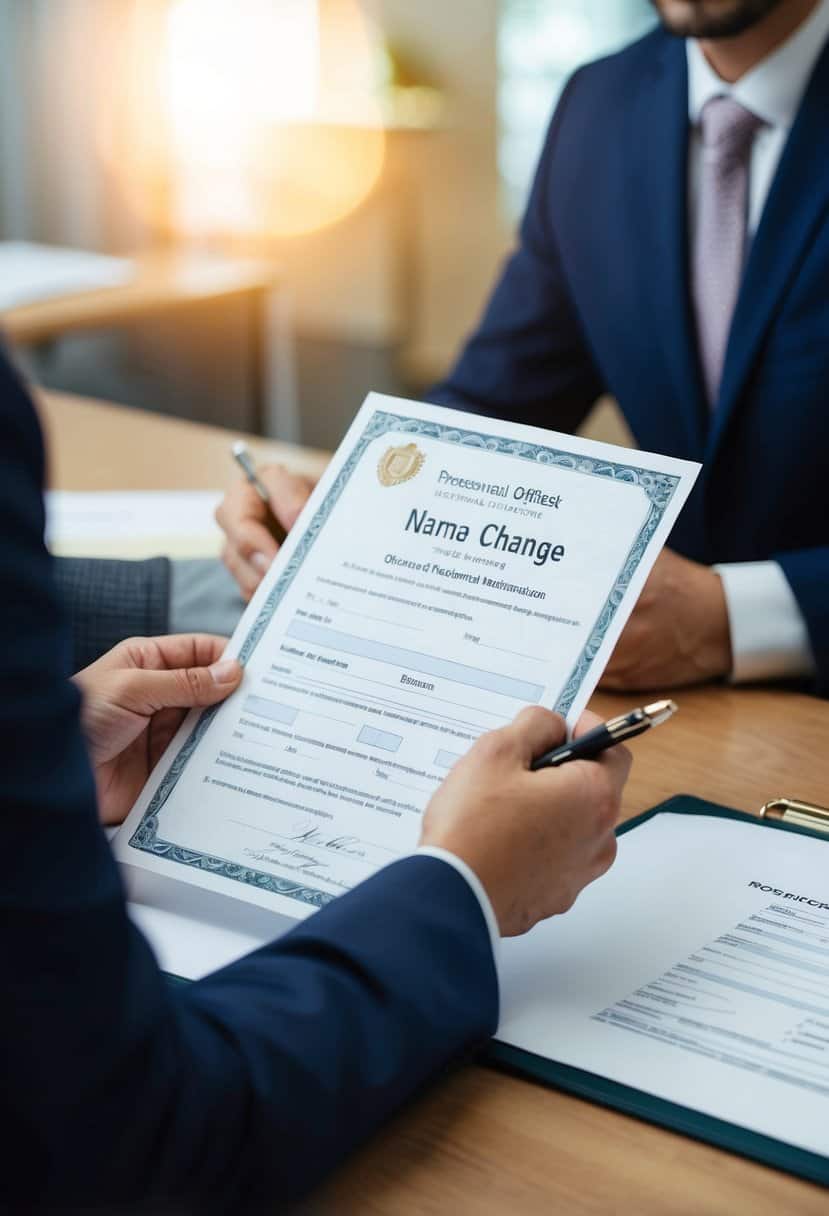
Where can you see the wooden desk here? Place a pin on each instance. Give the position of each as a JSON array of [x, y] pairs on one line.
[[163, 282], [481, 1143], [96, 446]]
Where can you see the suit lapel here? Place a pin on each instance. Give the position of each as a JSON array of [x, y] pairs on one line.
[[799, 197], [659, 179]]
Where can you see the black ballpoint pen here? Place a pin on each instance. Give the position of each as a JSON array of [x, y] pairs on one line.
[[617, 730], [243, 458]]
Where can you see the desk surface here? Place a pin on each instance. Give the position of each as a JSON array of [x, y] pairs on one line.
[[160, 281], [96, 446], [482, 1143]]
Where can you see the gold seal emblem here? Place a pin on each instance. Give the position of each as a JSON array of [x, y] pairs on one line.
[[397, 465]]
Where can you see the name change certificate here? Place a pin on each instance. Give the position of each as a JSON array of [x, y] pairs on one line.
[[447, 571]]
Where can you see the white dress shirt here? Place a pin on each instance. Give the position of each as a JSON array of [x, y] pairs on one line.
[[769, 639], [477, 886]]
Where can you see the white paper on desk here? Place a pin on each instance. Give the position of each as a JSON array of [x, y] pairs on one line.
[[679, 975], [133, 524], [30, 272], [383, 643]]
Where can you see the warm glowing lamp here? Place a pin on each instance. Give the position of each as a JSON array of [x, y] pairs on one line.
[[244, 118]]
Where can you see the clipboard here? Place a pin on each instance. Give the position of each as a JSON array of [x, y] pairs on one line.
[[782, 815]]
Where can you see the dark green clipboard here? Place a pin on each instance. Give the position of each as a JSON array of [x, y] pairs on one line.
[[644, 1106]]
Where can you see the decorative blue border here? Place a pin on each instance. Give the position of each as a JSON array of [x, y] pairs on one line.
[[659, 488]]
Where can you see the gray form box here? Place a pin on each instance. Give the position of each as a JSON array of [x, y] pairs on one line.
[[263, 707], [415, 660], [379, 738], [444, 759]]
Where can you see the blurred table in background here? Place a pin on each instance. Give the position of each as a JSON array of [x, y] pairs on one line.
[[93, 445], [480, 1142], [162, 282]]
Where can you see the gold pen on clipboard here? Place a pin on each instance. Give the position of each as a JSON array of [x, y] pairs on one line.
[[801, 814]]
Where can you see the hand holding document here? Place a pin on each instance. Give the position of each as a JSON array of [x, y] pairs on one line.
[[533, 840], [446, 572]]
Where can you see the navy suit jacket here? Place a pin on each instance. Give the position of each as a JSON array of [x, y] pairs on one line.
[[235, 1093], [596, 299]]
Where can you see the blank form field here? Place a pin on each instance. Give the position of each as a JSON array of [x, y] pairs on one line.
[[263, 707], [446, 759], [415, 660], [379, 738]]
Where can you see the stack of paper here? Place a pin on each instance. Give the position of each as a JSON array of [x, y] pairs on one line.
[[31, 272], [133, 524]]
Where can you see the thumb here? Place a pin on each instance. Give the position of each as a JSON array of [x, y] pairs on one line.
[[537, 730], [147, 692]]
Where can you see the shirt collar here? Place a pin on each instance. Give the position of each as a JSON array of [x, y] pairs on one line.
[[773, 90]]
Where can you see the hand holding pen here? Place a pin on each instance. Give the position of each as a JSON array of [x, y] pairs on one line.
[[608, 734], [256, 514]]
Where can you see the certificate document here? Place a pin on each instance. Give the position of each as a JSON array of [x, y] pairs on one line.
[[447, 571]]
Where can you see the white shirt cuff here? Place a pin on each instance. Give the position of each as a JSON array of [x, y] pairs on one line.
[[769, 639], [477, 889]]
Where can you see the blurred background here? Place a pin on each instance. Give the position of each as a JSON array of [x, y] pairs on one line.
[[306, 199]]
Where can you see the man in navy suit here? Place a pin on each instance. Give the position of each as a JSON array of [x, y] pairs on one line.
[[241, 1091], [675, 253]]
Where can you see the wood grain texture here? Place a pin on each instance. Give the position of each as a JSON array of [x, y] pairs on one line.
[[92, 445], [738, 746], [480, 1142]]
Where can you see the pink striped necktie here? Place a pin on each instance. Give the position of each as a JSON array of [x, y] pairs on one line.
[[727, 130]]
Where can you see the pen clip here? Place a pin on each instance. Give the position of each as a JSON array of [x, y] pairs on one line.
[[803, 814], [638, 720]]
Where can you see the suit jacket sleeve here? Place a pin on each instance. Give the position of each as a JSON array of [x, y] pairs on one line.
[[529, 360], [807, 571], [107, 601], [243, 1089]]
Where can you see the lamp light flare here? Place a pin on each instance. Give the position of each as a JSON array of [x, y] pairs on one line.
[[271, 124], [227, 67]]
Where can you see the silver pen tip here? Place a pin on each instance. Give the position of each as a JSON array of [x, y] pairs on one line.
[[661, 711], [240, 448]]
